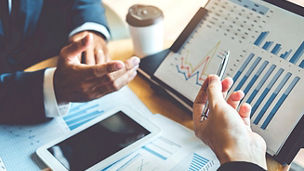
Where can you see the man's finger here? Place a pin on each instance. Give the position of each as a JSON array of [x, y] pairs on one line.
[[89, 56], [97, 71], [245, 110], [99, 56], [107, 57], [76, 48], [116, 84], [46, 169], [112, 77], [78, 36], [132, 62], [235, 98], [214, 91], [124, 79], [201, 97], [226, 85]]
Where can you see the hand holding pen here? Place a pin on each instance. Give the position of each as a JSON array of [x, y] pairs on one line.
[[220, 73]]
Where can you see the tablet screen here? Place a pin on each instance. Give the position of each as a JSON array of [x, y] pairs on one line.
[[94, 144]]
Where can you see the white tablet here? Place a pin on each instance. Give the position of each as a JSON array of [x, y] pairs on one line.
[[100, 142]]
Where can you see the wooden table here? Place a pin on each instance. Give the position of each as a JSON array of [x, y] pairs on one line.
[[156, 102]]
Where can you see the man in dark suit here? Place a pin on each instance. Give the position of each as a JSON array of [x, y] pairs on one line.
[[33, 30]]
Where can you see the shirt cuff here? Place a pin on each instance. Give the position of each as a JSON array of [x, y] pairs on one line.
[[94, 27], [52, 108]]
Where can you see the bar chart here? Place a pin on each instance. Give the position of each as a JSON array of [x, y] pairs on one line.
[[272, 97], [268, 85], [280, 102], [275, 49], [81, 113], [199, 163]]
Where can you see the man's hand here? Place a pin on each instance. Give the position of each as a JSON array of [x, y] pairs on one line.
[[227, 131], [97, 51], [77, 82]]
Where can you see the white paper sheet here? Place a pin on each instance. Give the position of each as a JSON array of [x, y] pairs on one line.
[[176, 149], [19, 143]]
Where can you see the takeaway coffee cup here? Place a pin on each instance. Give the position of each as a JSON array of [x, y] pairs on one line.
[[146, 25]]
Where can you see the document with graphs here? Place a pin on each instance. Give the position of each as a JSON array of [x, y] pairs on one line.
[[266, 62]]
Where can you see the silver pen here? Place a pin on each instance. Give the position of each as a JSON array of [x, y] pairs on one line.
[[220, 73]]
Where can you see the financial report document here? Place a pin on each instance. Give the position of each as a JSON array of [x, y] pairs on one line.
[[177, 149], [266, 62], [14, 138]]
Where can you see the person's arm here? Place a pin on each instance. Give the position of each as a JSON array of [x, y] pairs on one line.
[[21, 97], [226, 130], [86, 16]]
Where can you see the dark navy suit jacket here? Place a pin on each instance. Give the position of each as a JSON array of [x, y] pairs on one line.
[[35, 30]]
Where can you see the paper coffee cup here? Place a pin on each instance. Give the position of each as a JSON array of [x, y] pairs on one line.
[[146, 25]]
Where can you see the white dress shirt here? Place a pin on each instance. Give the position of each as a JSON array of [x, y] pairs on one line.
[[52, 108]]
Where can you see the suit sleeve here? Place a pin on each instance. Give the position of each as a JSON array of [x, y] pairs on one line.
[[21, 97], [84, 11], [233, 166]]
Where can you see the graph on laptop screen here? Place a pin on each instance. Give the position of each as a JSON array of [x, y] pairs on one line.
[[266, 62]]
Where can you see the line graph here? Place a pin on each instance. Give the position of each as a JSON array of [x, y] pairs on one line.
[[189, 70]]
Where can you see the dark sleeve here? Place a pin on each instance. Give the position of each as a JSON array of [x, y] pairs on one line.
[[21, 97], [233, 166], [87, 11]]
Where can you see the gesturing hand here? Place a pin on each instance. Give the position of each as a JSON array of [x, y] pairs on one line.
[[76, 82], [227, 131], [96, 52]]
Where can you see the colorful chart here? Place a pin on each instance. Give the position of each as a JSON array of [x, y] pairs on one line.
[[198, 70], [266, 62]]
